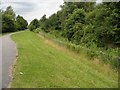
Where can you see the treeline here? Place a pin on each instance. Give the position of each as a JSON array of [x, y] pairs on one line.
[[84, 23], [11, 23]]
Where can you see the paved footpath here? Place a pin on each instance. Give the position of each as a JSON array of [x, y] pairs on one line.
[[8, 54]]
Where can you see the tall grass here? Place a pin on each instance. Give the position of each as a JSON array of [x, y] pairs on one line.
[[107, 56]]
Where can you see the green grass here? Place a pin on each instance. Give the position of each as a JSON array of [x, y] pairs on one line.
[[0, 34], [47, 65]]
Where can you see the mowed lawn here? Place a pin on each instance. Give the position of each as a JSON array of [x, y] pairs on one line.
[[43, 64]]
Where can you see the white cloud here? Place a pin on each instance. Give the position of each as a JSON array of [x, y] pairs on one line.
[[33, 8], [98, 1]]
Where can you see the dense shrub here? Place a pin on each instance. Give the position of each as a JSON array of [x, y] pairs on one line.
[[33, 25]]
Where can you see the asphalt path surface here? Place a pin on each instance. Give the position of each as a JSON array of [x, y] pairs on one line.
[[8, 54]]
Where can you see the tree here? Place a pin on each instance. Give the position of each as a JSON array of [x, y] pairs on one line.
[[53, 23], [33, 25], [21, 23], [43, 19], [9, 11], [74, 24], [8, 24], [43, 22], [86, 23], [8, 20]]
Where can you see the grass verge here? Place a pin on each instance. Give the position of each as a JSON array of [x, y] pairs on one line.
[[43, 64]]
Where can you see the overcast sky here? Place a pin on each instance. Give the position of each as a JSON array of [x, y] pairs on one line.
[[31, 9]]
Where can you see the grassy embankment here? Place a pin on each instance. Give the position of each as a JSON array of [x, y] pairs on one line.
[[42, 63]]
